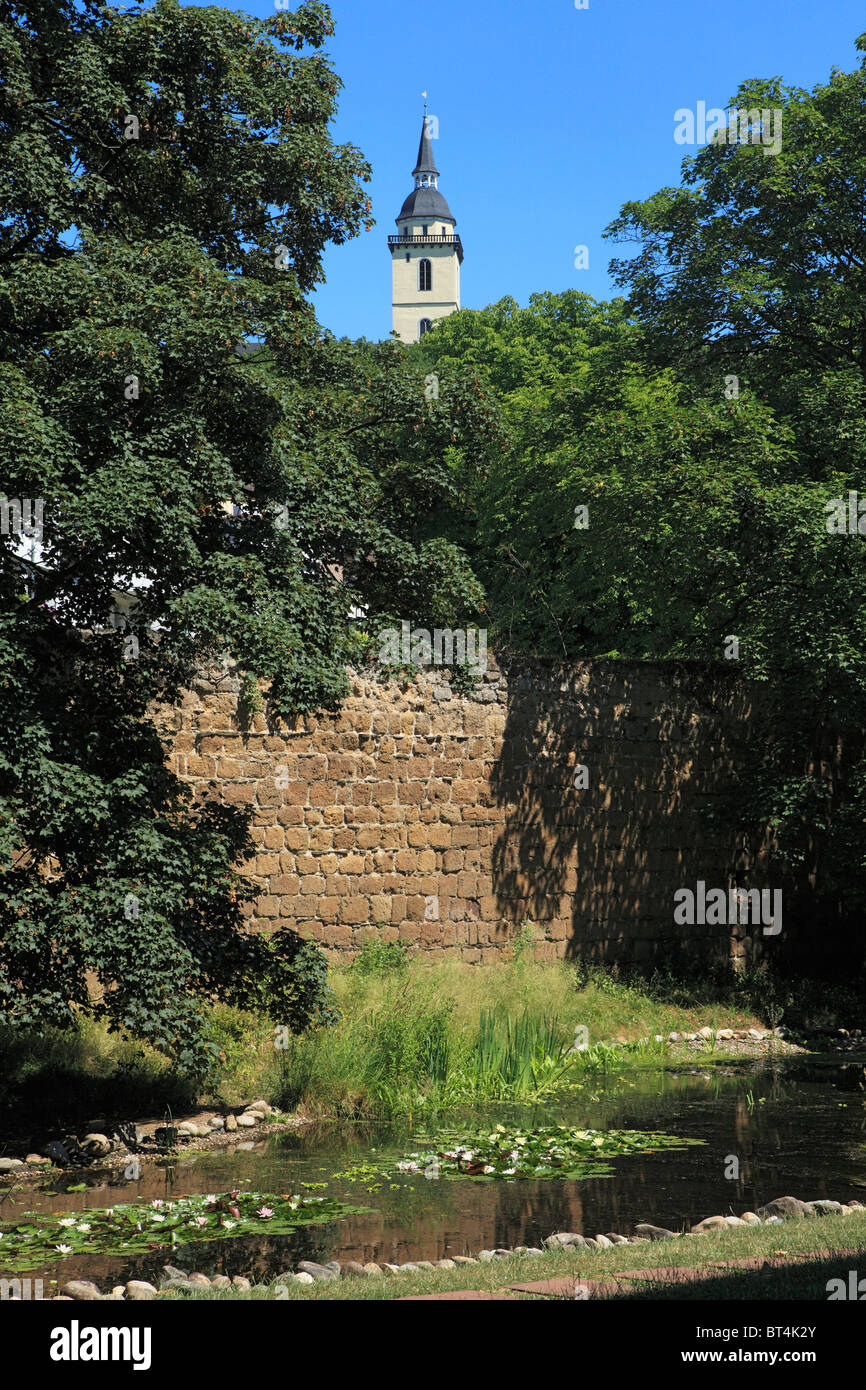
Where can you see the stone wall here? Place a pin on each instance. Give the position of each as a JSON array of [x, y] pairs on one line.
[[448, 820]]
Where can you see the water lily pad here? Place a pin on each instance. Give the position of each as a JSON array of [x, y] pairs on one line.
[[130, 1227]]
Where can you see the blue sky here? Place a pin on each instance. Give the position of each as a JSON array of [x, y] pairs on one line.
[[550, 118]]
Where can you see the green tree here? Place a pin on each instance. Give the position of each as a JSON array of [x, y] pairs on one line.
[[169, 184]]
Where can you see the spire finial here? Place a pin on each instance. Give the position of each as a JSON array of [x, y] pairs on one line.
[[424, 95]]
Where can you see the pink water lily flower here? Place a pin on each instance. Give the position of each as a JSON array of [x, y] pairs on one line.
[[265, 1212]]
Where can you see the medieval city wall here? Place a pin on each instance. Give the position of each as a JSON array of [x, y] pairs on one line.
[[448, 820]]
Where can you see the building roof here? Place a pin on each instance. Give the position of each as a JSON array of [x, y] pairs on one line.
[[426, 163], [426, 203]]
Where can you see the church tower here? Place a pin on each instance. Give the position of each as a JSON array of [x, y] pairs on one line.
[[426, 253]]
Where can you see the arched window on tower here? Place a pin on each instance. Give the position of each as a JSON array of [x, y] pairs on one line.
[[425, 274], [424, 327]]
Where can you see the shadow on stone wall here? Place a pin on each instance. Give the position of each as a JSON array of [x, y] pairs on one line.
[[597, 866]]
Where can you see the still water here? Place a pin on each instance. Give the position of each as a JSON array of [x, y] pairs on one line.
[[796, 1128]]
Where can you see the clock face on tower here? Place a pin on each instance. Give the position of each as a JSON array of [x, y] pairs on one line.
[[426, 252]]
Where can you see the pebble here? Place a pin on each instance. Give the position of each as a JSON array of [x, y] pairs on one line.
[[466, 1259], [97, 1145], [8, 1164], [246, 1121], [260, 1105], [654, 1232], [36, 1158], [617, 1240], [303, 1278], [118, 1291], [318, 1271], [485, 1256], [201, 1281], [673, 1037], [217, 1122], [231, 1123], [391, 1269], [784, 1206], [562, 1238], [736, 1221], [372, 1269], [604, 1243], [221, 1281], [82, 1290], [751, 1218], [444, 1264], [241, 1283], [824, 1208], [139, 1291], [351, 1268], [424, 1264], [593, 1244]]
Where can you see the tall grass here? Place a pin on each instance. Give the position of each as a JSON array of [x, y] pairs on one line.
[[415, 1035]]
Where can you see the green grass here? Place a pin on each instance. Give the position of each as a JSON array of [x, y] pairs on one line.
[[817, 1240], [418, 1035]]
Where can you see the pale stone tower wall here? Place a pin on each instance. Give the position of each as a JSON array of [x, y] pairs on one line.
[[409, 304], [425, 231]]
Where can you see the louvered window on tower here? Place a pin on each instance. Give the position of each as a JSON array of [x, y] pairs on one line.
[[425, 272], [424, 327]]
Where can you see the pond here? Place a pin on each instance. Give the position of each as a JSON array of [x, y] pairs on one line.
[[795, 1126]]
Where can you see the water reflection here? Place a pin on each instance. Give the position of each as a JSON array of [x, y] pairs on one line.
[[794, 1127]]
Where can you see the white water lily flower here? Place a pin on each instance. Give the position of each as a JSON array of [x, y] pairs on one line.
[[488, 1168], [66, 1221], [157, 1218], [85, 1226], [157, 1203], [227, 1225], [507, 1172], [63, 1249]]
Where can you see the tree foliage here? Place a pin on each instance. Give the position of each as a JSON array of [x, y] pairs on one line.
[[706, 423], [169, 184]]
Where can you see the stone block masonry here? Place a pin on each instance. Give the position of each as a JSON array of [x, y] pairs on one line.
[[448, 820]]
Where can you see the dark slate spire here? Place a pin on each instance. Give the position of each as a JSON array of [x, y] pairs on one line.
[[426, 163]]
